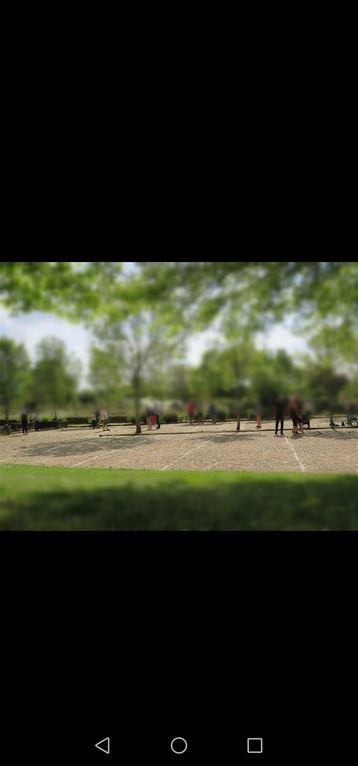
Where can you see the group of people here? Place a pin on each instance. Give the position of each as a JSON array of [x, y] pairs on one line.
[[152, 415], [97, 416], [284, 408], [351, 409], [191, 409], [25, 422]]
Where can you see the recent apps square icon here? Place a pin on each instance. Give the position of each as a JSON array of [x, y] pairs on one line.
[[255, 745]]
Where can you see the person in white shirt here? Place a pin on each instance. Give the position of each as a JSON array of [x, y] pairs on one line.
[[105, 420]]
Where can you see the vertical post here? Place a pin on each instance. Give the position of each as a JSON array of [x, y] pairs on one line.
[[137, 404]]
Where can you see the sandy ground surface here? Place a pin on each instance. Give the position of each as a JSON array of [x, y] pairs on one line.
[[185, 447]]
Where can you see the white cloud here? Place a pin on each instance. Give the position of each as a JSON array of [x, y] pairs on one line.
[[281, 338], [5, 319], [30, 329]]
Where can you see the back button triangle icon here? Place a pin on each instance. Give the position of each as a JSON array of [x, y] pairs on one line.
[[103, 745]]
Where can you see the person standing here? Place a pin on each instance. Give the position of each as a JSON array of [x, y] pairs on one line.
[[157, 415], [280, 408], [191, 412], [94, 420], [98, 415], [258, 414], [37, 421], [149, 415], [200, 414], [105, 420], [213, 413], [24, 421]]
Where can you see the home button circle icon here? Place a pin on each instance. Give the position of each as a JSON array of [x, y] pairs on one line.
[[179, 745]]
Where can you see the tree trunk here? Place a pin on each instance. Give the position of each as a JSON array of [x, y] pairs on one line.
[[238, 425], [331, 421], [137, 405]]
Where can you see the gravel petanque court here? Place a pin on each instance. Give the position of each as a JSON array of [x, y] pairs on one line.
[[193, 448]]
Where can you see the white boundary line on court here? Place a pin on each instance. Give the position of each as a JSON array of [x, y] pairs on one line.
[[296, 456], [75, 465], [103, 452], [194, 450], [186, 453]]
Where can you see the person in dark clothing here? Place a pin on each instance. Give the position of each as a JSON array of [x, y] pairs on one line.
[[213, 413], [280, 411], [24, 422], [157, 415], [295, 414], [37, 421], [97, 415]]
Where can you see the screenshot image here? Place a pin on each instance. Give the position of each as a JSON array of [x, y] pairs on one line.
[[179, 397]]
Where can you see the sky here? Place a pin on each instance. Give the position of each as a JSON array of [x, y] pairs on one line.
[[31, 328]]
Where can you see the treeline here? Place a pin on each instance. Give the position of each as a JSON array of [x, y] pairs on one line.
[[49, 381], [233, 376], [142, 318]]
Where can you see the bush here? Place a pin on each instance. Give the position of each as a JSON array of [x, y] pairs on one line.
[[170, 417], [45, 420], [222, 415], [132, 421]]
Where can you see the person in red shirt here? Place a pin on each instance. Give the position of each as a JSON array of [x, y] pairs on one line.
[[191, 411]]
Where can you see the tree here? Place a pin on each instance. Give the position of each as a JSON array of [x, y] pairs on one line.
[[14, 370], [223, 372], [321, 296], [328, 374], [178, 381], [140, 342], [75, 289], [55, 376], [257, 291], [105, 373]]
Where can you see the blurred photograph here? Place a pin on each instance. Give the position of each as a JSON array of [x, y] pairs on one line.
[[179, 396]]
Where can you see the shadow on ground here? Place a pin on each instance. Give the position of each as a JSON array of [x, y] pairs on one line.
[[81, 447]]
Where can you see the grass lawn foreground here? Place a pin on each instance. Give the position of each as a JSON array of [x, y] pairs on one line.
[[64, 499]]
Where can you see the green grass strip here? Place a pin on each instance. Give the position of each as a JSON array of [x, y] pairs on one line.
[[60, 499]]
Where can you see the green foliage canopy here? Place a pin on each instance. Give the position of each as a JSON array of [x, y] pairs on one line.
[[14, 375]]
